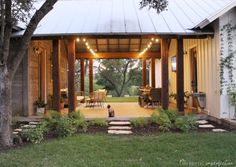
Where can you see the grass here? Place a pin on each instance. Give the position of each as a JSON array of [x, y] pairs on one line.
[[97, 150], [122, 99]]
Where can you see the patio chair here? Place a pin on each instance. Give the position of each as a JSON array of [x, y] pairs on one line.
[[154, 96]]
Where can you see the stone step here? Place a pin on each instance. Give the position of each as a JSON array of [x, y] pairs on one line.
[[18, 130], [219, 130], [119, 123], [206, 126], [202, 122], [28, 126], [120, 132], [33, 123], [119, 128]]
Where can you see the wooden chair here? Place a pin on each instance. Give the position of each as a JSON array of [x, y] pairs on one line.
[[154, 96]]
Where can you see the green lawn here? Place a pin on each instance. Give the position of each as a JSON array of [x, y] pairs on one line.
[[194, 149], [122, 99]]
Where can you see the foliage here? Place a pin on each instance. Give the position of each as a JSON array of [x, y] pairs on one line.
[[154, 117], [186, 96], [232, 95], [40, 103], [99, 122], [78, 120], [52, 114], [158, 5], [227, 61], [65, 127], [185, 123], [170, 113], [36, 135], [118, 75], [164, 122], [139, 122], [121, 99]]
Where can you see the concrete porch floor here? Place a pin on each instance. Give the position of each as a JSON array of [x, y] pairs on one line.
[[122, 110]]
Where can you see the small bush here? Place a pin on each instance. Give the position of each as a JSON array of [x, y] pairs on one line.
[[139, 122], [164, 122], [154, 117], [78, 120], [52, 114], [99, 122], [64, 127], [36, 135], [170, 113], [185, 123]]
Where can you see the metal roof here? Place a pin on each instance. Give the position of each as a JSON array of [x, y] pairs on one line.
[[123, 17]]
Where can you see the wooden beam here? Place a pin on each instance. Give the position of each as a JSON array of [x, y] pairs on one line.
[[180, 75], [153, 72], [90, 75], [165, 74], [82, 74], [144, 74], [56, 75], [71, 75], [117, 55]]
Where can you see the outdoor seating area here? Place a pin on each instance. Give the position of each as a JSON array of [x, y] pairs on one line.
[[150, 97], [96, 98]]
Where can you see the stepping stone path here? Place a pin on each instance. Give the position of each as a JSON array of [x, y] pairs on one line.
[[205, 125], [119, 127]]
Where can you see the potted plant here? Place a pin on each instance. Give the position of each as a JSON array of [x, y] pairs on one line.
[[186, 97], [232, 95], [62, 102], [40, 104]]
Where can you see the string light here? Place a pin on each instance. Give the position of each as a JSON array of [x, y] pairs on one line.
[[148, 46], [88, 46]]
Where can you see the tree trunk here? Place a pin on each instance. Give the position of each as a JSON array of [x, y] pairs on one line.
[[5, 107]]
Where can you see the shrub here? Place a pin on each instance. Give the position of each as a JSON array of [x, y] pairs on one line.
[[78, 120], [170, 113], [139, 122], [164, 122], [99, 122], [35, 135], [154, 117], [185, 123], [52, 114], [64, 127]]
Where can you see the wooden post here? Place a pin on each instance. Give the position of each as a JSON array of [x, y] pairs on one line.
[[153, 72], [165, 74], [56, 75], [90, 75], [71, 75], [180, 75], [82, 73], [144, 75]]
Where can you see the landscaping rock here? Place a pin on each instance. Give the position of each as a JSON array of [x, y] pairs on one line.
[[33, 123], [120, 132], [219, 130], [202, 121], [119, 123], [17, 130], [119, 128], [206, 126]]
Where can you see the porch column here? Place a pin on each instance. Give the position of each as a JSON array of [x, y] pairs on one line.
[[165, 74], [71, 75], [180, 75], [144, 74], [56, 75], [153, 72], [82, 74], [90, 75]]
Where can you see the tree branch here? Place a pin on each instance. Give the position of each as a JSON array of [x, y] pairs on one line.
[[26, 38]]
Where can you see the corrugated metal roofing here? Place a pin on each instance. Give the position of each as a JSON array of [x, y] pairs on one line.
[[123, 17]]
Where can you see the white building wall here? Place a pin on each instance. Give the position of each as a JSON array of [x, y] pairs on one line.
[[207, 69], [227, 110]]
